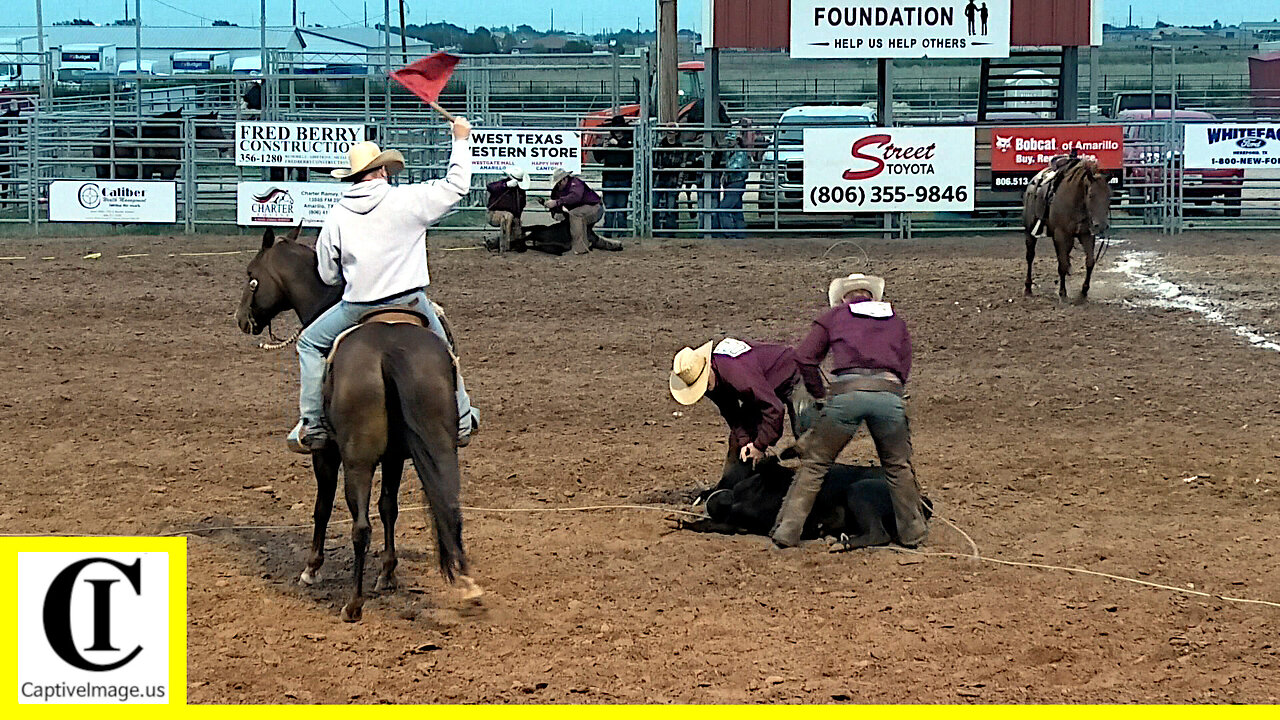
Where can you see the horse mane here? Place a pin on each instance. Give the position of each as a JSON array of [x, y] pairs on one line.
[[1085, 171]]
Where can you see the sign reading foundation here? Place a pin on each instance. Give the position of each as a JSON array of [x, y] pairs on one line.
[[537, 151], [899, 28], [291, 144], [145, 201], [285, 203], [926, 169], [1018, 153], [1231, 146]]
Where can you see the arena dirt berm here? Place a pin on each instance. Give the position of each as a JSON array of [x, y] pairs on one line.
[[1130, 440]]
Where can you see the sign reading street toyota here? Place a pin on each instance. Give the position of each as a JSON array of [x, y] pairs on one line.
[[134, 201], [286, 203], [291, 144], [899, 28], [1233, 146], [888, 169], [539, 152], [1018, 153]]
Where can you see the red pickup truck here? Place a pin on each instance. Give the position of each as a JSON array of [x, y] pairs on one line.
[[1143, 165]]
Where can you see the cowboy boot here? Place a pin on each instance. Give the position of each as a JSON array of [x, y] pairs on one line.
[[818, 448]]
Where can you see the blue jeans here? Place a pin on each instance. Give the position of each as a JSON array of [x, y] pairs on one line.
[[729, 216], [318, 337]]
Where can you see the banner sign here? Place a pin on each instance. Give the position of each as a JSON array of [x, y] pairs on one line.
[[1231, 146], [1018, 153], [126, 201], [537, 151], [924, 169], [291, 144], [899, 28], [285, 203]]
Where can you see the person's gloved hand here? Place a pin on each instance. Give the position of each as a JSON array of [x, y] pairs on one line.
[[751, 454], [461, 128]]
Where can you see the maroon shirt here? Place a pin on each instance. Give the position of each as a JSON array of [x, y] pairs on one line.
[[855, 342], [505, 197], [573, 193], [749, 390]]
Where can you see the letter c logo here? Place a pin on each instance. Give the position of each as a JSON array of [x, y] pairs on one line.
[[57, 613]]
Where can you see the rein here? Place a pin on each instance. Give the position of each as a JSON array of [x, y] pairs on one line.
[[276, 343]]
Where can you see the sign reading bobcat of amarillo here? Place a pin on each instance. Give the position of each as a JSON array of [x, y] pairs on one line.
[[925, 169], [291, 144], [899, 28], [134, 201], [285, 203], [1232, 146]]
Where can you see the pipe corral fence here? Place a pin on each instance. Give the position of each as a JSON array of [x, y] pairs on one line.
[[111, 129]]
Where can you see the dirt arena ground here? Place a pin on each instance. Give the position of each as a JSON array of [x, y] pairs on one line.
[[1117, 436]]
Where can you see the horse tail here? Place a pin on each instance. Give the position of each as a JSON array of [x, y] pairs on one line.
[[429, 417]]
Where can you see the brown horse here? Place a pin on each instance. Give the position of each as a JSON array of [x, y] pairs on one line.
[[1079, 211], [389, 395]]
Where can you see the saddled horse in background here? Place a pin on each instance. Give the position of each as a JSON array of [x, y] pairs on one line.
[[1079, 210], [389, 395], [162, 157]]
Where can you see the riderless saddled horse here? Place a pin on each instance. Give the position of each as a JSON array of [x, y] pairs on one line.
[[389, 395], [1069, 201]]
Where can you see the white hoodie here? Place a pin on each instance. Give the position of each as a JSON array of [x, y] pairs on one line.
[[374, 239]]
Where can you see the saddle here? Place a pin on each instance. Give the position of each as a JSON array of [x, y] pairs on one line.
[[1044, 186], [389, 314]]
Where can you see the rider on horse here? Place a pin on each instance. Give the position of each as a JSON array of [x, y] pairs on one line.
[[374, 241]]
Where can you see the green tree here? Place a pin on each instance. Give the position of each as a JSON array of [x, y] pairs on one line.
[[479, 42], [77, 21]]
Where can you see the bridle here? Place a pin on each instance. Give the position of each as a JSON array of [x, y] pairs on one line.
[[276, 343]]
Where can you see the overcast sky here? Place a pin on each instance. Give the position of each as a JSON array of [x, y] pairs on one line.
[[572, 15]]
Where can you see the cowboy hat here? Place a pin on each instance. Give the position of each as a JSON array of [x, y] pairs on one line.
[[690, 374], [559, 174], [517, 177], [842, 286], [365, 156]]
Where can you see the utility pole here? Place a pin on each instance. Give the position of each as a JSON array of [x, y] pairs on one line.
[[404, 47], [137, 51], [668, 60], [45, 82], [262, 49], [295, 13]]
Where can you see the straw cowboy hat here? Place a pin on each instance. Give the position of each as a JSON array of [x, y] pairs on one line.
[[842, 286], [559, 174], [365, 156], [516, 177], [690, 374]]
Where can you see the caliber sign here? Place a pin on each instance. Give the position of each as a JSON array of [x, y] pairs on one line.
[[899, 28], [888, 169]]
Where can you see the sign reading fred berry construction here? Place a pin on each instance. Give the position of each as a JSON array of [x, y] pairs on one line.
[[1018, 153], [290, 144], [899, 28], [888, 169], [1232, 146]]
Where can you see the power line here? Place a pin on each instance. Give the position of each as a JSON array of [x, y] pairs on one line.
[[184, 12], [344, 12]]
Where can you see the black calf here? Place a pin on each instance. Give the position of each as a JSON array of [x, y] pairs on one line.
[[854, 502]]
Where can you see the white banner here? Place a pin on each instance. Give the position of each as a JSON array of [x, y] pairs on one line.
[[539, 152], [291, 144], [123, 201], [899, 28], [924, 169], [1234, 146], [285, 203]]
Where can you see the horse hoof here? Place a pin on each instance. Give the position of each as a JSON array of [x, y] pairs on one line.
[[385, 583], [309, 577], [352, 612]]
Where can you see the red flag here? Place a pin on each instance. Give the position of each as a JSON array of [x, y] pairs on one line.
[[428, 76]]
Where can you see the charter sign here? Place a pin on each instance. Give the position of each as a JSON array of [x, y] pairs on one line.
[[899, 29], [290, 144], [888, 169]]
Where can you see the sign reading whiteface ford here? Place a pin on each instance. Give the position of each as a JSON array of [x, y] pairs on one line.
[[899, 28]]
